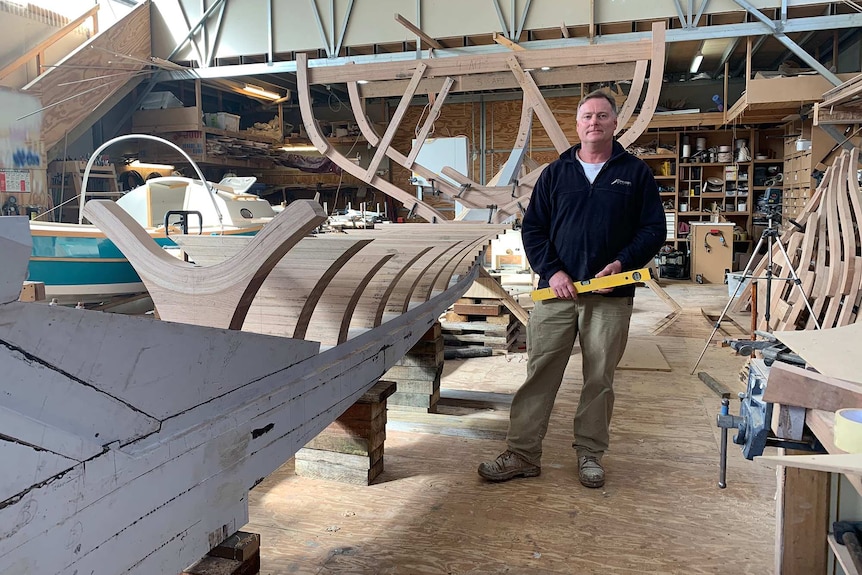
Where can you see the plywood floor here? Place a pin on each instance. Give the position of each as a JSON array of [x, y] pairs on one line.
[[429, 513]]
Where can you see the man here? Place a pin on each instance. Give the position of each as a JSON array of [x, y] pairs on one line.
[[594, 212]]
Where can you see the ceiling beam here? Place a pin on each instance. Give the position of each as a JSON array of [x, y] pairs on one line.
[[842, 21], [779, 35]]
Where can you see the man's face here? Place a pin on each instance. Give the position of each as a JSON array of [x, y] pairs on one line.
[[596, 121]]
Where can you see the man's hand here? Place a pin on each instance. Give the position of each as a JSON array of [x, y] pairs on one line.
[[614, 267], [561, 283]]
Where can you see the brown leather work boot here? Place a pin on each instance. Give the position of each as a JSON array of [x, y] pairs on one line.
[[507, 466], [590, 471]]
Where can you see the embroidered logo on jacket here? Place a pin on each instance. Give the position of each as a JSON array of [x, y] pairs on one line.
[[621, 182]]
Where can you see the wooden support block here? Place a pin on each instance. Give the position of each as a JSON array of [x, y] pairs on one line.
[[240, 546], [343, 467], [32, 291], [351, 448], [222, 566], [477, 309]]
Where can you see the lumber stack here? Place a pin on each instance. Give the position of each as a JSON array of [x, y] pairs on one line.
[[483, 322], [351, 448], [827, 256], [418, 374]]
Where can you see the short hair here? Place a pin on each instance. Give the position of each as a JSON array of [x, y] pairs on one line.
[[595, 94]]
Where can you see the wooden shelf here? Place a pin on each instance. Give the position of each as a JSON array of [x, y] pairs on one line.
[[842, 555]]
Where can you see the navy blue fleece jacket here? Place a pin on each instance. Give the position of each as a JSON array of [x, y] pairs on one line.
[[580, 228]]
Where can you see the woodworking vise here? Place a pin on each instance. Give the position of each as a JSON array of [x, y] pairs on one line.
[[754, 423]]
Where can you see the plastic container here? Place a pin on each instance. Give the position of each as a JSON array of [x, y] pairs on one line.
[[733, 280], [222, 121]]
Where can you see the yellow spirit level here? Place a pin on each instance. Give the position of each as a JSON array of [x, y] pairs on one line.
[[611, 281]]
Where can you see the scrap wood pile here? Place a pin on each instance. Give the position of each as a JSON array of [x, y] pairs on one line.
[[826, 255]]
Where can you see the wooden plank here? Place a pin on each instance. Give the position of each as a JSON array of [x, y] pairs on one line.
[[539, 105], [850, 463], [656, 76], [429, 121], [503, 80], [416, 30], [486, 63], [634, 95], [802, 519], [503, 41], [643, 355], [827, 350], [791, 385], [394, 122], [477, 309], [128, 37]]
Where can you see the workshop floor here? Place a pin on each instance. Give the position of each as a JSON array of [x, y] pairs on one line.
[[660, 510]]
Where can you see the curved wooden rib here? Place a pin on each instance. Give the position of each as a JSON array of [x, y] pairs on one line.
[[370, 134], [634, 95], [322, 144], [399, 297], [177, 288], [366, 314], [539, 105], [331, 318], [287, 299], [827, 257], [656, 75]]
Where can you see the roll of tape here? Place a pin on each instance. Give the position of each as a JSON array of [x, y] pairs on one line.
[[848, 430]]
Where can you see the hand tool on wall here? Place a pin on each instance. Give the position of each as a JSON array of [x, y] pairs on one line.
[[611, 281], [718, 233], [848, 533]]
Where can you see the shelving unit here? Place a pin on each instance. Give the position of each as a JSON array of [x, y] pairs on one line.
[[66, 180]]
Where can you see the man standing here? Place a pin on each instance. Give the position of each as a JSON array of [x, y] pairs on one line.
[[594, 212]]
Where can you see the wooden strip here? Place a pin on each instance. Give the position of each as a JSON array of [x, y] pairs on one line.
[[416, 30], [503, 41], [503, 80], [399, 297], [634, 95], [356, 103], [429, 121], [791, 385], [394, 122], [486, 63], [850, 463], [539, 105], [656, 76]]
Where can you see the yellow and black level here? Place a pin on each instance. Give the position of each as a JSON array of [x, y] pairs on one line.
[[611, 281]]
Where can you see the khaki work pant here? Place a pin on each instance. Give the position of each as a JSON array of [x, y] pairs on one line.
[[602, 325]]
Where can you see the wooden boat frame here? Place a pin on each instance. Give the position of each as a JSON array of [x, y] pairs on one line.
[[510, 189]]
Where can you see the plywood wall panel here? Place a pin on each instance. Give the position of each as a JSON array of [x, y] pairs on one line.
[[99, 57]]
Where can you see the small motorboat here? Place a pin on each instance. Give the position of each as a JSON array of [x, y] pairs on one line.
[[78, 263]]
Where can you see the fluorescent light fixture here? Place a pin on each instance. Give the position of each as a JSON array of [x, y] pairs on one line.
[[145, 166], [299, 148], [695, 64], [545, 68], [362, 81], [258, 91]]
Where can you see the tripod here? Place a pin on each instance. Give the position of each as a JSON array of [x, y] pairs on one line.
[[769, 236]]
